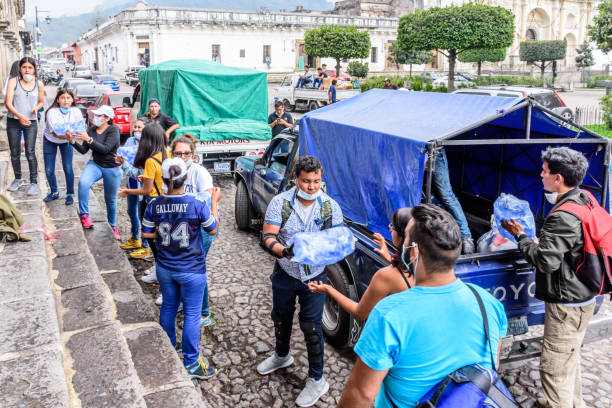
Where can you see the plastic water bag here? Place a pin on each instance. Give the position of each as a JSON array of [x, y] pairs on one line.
[[323, 247], [507, 207], [78, 127], [205, 196], [128, 153], [493, 241], [60, 129]]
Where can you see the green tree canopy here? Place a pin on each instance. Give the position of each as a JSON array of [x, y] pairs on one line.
[[584, 56], [601, 30], [451, 30], [542, 53], [358, 69], [337, 42], [397, 56], [480, 55]]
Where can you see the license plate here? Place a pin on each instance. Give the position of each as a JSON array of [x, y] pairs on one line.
[[517, 325], [223, 167]]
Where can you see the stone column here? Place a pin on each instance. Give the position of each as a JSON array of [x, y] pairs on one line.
[[554, 20], [561, 20]]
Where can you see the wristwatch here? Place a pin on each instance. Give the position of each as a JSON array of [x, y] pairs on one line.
[[520, 236]]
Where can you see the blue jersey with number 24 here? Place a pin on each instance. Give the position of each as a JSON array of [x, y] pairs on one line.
[[178, 219]]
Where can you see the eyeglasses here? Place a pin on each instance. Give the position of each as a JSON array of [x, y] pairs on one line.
[[181, 154]]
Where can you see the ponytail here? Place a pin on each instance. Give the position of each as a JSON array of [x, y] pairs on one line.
[[174, 181]]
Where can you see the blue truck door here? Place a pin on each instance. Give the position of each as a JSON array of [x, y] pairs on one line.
[[267, 177]]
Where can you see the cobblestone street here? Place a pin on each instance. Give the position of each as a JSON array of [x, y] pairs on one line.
[[243, 334]]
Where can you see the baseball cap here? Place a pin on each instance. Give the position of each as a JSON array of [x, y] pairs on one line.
[[105, 110], [387, 80], [174, 161]]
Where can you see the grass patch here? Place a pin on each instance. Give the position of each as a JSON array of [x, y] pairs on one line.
[[601, 129]]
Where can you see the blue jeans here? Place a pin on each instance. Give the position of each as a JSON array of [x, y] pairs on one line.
[[444, 193], [188, 287], [302, 82], [134, 213], [14, 130], [317, 83], [284, 291], [112, 179], [49, 154], [206, 243]]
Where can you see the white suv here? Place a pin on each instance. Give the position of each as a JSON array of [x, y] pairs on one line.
[[545, 97], [81, 71]]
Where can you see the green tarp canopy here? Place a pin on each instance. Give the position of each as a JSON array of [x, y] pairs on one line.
[[212, 101]]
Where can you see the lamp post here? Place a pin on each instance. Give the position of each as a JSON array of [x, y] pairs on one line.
[[37, 31]]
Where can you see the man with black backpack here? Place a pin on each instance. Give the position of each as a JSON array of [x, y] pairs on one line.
[[556, 257], [414, 339], [303, 208]]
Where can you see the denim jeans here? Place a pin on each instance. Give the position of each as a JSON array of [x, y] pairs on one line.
[[284, 291], [142, 207], [302, 82], [49, 154], [317, 83], [112, 179], [206, 243], [134, 214], [176, 286], [444, 193], [13, 131]]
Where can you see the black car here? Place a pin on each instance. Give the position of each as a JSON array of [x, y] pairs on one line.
[[85, 95]]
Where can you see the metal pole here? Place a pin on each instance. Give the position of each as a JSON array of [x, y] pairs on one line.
[[37, 35], [606, 183], [431, 159], [528, 125]]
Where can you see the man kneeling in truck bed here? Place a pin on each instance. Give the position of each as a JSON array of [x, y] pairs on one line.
[[569, 302]]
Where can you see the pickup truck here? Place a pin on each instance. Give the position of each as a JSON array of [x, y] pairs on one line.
[[492, 147], [307, 99]]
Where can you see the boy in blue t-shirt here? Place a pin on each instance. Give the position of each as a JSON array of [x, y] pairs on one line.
[[332, 92], [174, 220]]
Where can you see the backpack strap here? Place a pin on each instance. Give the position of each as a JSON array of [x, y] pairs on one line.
[[155, 185], [286, 211], [483, 313], [326, 214]]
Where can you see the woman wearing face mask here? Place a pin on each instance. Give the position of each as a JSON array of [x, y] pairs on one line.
[[103, 140], [386, 281], [24, 98], [62, 111], [141, 246]]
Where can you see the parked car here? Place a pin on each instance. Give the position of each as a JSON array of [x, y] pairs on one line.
[[490, 149], [81, 71], [108, 80], [443, 81], [72, 83], [466, 75], [546, 97], [131, 74], [121, 103], [429, 75], [86, 94], [332, 74], [307, 98]]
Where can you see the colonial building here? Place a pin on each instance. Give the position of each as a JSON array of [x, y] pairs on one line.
[[151, 34], [12, 29]]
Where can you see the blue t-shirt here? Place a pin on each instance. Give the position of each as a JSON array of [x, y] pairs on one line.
[[178, 219], [425, 333], [332, 90]]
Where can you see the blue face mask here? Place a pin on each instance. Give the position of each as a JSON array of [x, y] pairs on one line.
[[189, 162], [65, 110]]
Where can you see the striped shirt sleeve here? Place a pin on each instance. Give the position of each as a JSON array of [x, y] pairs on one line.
[[273, 212], [148, 221]]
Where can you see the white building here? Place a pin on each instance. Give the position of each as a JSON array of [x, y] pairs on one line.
[[236, 38], [12, 28]]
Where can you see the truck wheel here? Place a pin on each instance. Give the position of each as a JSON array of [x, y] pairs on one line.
[[288, 106], [336, 320], [243, 210], [313, 106]]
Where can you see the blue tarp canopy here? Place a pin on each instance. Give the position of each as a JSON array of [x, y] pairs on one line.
[[373, 149]]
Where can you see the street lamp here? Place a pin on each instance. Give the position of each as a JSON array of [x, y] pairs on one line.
[[38, 32]]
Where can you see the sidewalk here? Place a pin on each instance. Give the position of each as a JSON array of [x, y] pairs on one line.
[[76, 327]]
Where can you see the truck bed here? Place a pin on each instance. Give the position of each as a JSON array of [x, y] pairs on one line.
[[321, 95]]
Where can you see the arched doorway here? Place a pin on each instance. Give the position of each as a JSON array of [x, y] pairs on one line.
[[538, 20], [530, 35]]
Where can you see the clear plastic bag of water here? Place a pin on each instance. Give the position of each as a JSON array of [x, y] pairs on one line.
[[60, 129], [78, 127], [508, 207], [493, 241], [323, 247], [128, 153]]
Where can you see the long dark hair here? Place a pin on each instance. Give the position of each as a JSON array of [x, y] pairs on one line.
[[14, 70], [152, 141], [399, 222], [31, 61], [55, 103]]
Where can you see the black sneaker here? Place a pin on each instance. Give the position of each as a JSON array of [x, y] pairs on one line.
[[200, 370], [178, 346]]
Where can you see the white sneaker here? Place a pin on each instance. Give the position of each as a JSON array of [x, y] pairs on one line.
[[273, 363], [159, 300], [151, 277], [313, 390], [15, 185]]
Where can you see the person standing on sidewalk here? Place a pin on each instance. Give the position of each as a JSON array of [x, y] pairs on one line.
[[24, 98], [174, 220], [555, 255], [62, 111], [103, 140], [303, 208], [166, 122]]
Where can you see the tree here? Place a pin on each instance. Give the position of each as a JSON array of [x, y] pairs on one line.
[[480, 55], [451, 30], [397, 56], [542, 53], [584, 56], [601, 30], [337, 42], [358, 69]]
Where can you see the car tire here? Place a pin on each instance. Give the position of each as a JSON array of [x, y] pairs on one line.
[[288, 106], [336, 320], [313, 106], [243, 209]]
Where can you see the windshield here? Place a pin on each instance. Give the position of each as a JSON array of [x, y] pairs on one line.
[[548, 100], [87, 92], [106, 78], [81, 69], [117, 99]]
